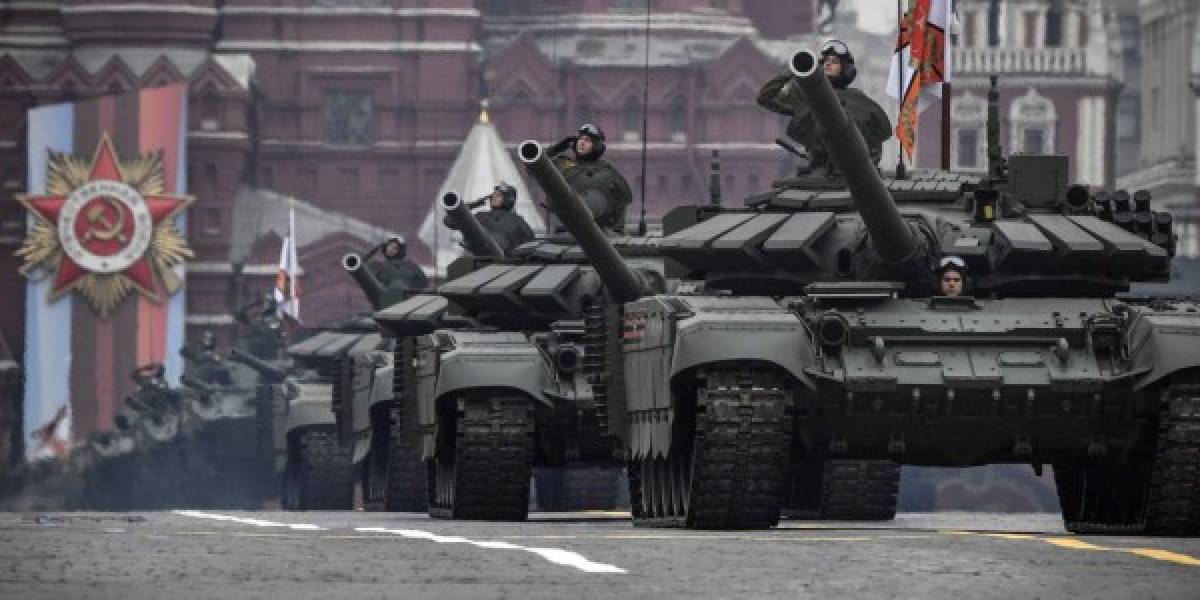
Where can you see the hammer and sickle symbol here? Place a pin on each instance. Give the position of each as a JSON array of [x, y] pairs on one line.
[[96, 216]]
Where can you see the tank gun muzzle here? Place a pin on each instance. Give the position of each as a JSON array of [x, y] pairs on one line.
[[478, 241], [352, 262], [891, 237], [623, 283]]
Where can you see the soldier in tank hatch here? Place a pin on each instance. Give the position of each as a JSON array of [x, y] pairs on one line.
[[952, 276], [502, 222], [266, 334], [399, 275], [598, 183], [780, 95], [206, 362]]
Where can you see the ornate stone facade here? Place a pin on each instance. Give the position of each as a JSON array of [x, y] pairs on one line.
[[366, 125], [1059, 70]]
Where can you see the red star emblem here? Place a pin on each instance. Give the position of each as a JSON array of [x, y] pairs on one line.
[[105, 225]]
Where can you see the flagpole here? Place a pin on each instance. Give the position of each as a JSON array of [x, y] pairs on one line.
[[900, 86], [947, 93]]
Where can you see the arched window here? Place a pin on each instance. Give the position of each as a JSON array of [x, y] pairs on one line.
[[968, 145], [1032, 119], [679, 119], [631, 118]]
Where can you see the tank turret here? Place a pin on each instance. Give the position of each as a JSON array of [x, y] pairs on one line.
[[352, 262], [476, 239], [264, 368], [623, 283], [891, 237]]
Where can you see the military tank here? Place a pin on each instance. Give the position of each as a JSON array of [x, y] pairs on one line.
[[374, 406], [514, 369], [816, 334], [296, 429]]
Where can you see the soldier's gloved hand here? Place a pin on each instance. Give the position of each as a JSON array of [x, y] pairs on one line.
[[561, 146]]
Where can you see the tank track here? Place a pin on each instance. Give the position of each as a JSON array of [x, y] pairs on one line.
[[1160, 496], [484, 473], [324, 476], [405, 472], [738, 455], [859, 490]]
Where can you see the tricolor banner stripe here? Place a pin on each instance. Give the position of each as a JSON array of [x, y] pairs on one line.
[[89, 363], [48, 326]]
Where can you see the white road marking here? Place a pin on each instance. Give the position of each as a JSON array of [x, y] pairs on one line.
[[557, 556], [247, 521]]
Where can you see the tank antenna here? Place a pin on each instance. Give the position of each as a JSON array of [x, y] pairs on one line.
[[995, 154], [641, 228]]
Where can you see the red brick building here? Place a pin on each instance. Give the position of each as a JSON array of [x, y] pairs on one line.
[[357, 107]]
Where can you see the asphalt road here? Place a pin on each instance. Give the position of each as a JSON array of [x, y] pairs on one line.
[[298, 556]]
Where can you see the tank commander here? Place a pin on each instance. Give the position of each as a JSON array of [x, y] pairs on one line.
[[203, 358], [502, 222], [952, 276], [598, 183], [398, 274], [780, 95], [266, 327]]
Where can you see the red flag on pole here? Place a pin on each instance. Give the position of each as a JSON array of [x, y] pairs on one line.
[[923, 46]]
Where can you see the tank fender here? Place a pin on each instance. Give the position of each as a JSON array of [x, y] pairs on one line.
[[1161, 344], [308, 404], [749, 333], [492, 360], [448, 362]]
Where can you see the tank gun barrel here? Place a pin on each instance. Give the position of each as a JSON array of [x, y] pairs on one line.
[[352, 262], [891, 237], [264, 368], [197, 385], [477, 239], [622, 282]]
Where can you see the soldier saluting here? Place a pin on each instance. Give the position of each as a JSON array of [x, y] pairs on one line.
[[780, 95], [399, 275], [598, 183], [502, 222]]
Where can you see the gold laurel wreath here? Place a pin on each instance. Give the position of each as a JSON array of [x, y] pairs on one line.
[[168, 246]]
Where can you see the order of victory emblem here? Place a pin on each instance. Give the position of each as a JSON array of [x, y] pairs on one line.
[[105, 227]]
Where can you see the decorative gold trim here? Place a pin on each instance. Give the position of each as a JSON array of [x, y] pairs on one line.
[[104, 291]]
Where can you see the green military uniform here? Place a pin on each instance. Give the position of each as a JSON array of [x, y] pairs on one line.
[[400, 278], [601, 187], [781, 96]]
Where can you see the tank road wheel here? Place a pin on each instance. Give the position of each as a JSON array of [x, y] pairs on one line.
[[1159, 496], [319, 474], [483, 463], [728, 463]]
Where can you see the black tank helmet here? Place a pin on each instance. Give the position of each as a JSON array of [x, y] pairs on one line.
[[399, 242], [839, 49], [598, 144], [508, 193]]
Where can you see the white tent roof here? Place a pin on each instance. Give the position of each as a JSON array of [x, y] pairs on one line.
[[482, 163]]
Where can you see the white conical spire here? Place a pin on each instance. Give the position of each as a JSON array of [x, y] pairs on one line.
[[481, 164]]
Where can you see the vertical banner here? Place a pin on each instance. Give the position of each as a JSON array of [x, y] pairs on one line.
[[103, 256]]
